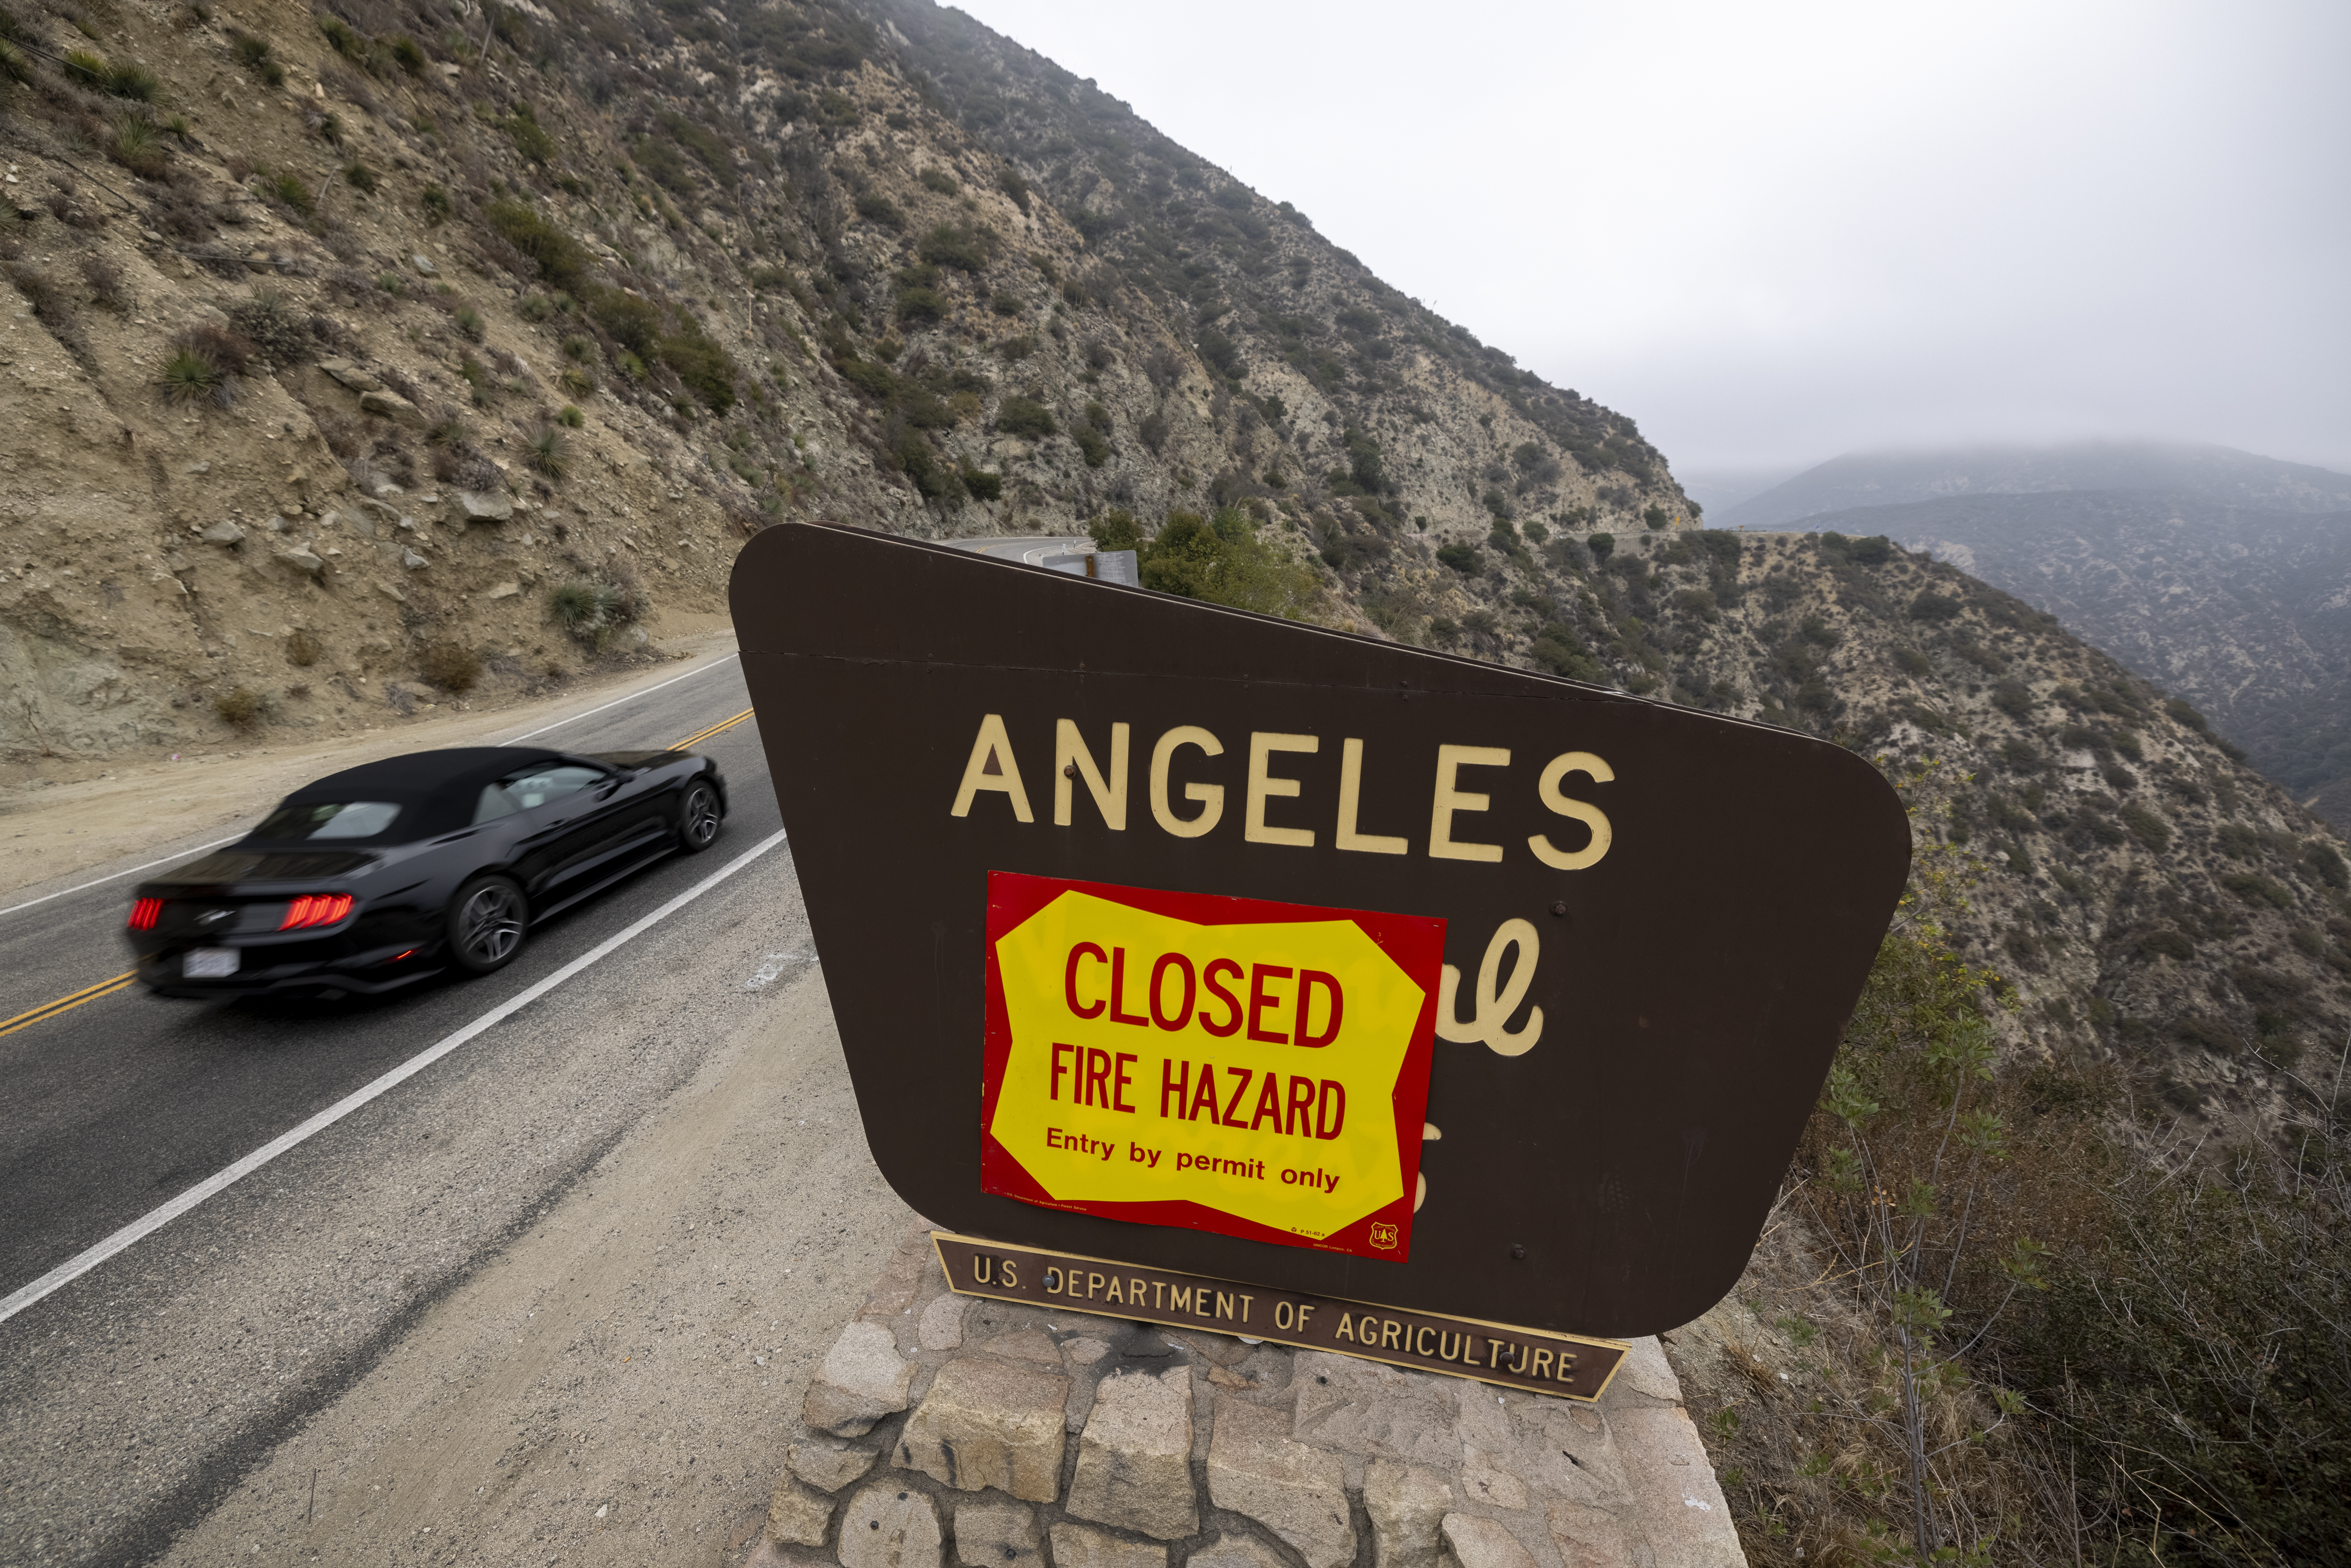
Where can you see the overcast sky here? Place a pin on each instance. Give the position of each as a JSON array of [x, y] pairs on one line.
[[1774, 232]]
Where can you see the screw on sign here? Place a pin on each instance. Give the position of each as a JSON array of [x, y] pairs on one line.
[[1216, 921]]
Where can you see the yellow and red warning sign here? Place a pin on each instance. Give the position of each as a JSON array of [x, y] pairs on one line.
[[1255, 1069]]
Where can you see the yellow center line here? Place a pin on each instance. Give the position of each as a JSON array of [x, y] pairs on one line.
[[67, 1004], [721, 728]]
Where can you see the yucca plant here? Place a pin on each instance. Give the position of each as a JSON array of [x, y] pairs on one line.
[[576, 382], [469, 321], [83, 68], [571, 418], [187, 377], [136, 145], [360, 177], [132, 81], [579, 348], [289, 189], [548, 450]]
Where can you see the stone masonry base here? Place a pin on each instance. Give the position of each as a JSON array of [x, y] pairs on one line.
[[942, 1430]]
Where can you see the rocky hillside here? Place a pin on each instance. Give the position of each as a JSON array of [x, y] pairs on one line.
[[2246, 613], [364, 361], [1891, 478], [382, 355], [2149, 898]]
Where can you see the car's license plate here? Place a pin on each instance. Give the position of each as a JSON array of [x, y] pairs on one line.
[[209, 963]]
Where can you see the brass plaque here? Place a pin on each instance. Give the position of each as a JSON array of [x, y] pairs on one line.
[[1569, 1366]]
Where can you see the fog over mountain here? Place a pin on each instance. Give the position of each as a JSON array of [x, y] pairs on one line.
[[1885, 478], [2224, 576]]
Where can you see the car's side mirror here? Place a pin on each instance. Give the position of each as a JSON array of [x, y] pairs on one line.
[[604, 790]]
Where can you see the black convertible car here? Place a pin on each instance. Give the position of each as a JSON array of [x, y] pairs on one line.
[[380, 875]]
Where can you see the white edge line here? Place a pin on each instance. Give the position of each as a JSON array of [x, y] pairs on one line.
[[616, 702], [155, 1219], [149, 865], [118, 875]]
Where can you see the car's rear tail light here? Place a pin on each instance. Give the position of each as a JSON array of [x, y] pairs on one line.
[[145, 913], [318, 909]]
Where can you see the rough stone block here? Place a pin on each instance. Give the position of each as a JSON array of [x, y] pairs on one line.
[[828, 1466], [1588, 1537], [901, 1279], [941, 1326], [223, 533], [1135, 1459], [861, 1381], [889, 1526], [1083, 1546], [1407, 1504], [1474, 1542], [1025, 1344], [797, 1516], [1483, 1479], [392, 406], [1234, 1551], [350, 375], [984, 1423], [485, 505], [1645, 1376], [997, 1535], [1676, 1501], [1298, 1493], [1378, 1411], [1565, 1451]]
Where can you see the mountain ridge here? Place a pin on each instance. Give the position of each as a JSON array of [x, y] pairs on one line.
[[1894, 477]]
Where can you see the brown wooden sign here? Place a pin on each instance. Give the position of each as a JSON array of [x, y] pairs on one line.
[[1654, 924], [1571, 1366]]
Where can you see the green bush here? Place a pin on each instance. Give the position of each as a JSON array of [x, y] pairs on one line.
[[407, 55], [469, 321], [1091, 444], [881, 210], [1463, 558], [2147, 826], [1932, 606], [983, 485], [939, 180], [1655, 516], [563, 262], [530, 138], [1602, 545], [571, 418], [1025, 417], [2255, 889], [706, 369], [960, 247], [635, 322], [922, 304], [437, 205], [1229, 565]]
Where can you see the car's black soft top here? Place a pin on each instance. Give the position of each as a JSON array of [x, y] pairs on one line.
[[437, 787]]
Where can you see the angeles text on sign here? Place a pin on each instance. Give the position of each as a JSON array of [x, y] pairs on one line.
[[992, 767]]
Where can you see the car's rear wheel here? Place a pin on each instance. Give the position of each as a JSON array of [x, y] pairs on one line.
[[488, 922], [698, 818]]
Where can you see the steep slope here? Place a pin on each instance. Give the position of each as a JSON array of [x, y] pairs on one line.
[[2246, 613], [2149, 898], [371, 357], [1891, 478]]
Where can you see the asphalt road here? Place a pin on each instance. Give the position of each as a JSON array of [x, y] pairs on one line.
[[647, 1182]]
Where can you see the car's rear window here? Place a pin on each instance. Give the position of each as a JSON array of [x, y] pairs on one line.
[[317, 820]]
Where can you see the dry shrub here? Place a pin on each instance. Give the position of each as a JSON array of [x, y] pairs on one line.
[[303, 648], [240, 706], [104, 280], [451, 665]]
